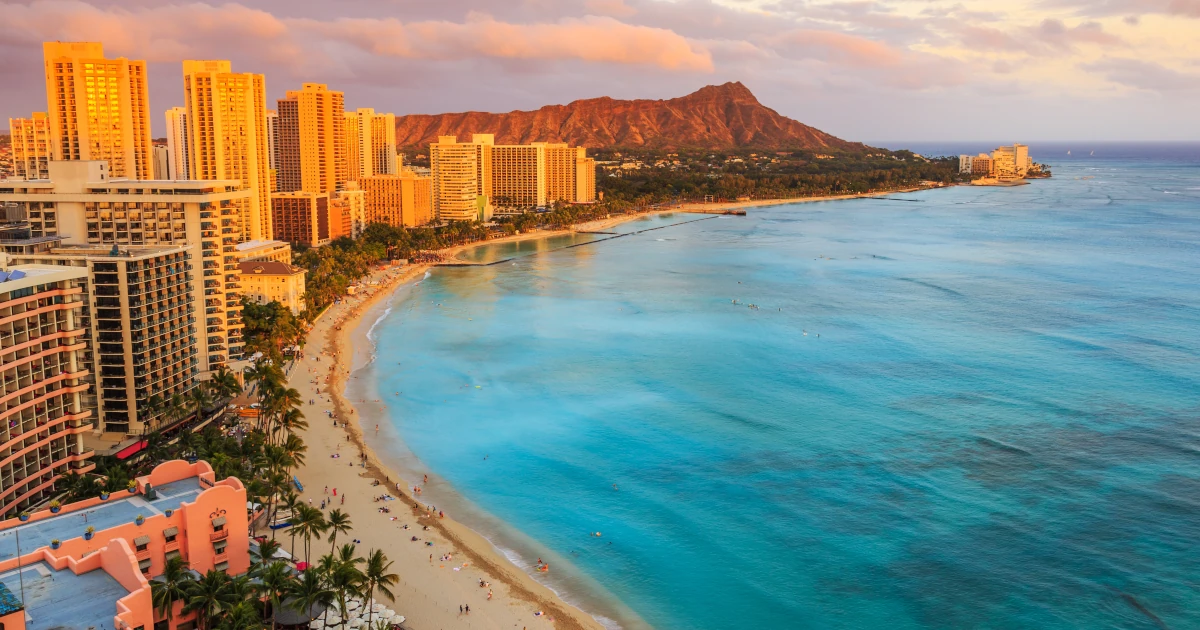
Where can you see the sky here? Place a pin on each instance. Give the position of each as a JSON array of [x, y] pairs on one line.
[[873, 70]]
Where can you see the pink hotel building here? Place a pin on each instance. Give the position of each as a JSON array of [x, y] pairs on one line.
[[53, 575]]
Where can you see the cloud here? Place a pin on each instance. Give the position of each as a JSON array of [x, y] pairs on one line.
[[1143, 75], [1184, 8], [1058, 35], [876, 61], [175, 32], [614, 8], [591, 39]]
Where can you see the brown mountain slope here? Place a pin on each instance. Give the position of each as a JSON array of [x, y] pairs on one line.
[[714, 117]]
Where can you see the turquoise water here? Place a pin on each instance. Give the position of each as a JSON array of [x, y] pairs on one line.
[[997, 426]]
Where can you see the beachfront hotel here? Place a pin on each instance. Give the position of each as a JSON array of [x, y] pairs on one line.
[[99, 109], [42, 380], [278, 251], [227, 138], [1005, 163], [54, 573], [472, 180], [311, 136], [264, 282], [370, 144], [83, 205], [30, 142], [139, 328], [401, 200]]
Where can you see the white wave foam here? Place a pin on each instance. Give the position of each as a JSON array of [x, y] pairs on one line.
[[427, 274]]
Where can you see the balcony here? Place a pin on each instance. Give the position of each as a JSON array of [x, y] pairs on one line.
[[218, 535]]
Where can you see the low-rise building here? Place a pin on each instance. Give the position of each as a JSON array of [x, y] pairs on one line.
[[277, 251], [58, 577], [269, 281]]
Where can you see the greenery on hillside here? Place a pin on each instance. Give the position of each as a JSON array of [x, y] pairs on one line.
[[652, 177]]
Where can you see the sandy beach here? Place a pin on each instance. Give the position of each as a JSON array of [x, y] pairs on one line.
[[435, 579]]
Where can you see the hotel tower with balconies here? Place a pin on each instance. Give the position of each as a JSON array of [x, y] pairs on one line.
[[42, 415]]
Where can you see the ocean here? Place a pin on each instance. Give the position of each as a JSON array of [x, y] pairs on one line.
[[959, 408]]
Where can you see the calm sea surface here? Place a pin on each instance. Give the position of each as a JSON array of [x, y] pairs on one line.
[[960, 408]]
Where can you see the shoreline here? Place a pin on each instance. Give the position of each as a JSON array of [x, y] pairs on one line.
[[335, 335]]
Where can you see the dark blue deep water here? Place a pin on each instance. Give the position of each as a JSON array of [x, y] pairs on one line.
[[998, 425]]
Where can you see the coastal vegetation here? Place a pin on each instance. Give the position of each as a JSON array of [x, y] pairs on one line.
[[648, 176]]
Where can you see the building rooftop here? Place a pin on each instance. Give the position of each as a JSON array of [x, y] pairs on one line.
[[61, 600], [265, 268], [118, 510], [252, 245], [13, 278], [124, 251]]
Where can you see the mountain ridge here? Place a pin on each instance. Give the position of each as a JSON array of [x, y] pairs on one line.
[[726, 116]]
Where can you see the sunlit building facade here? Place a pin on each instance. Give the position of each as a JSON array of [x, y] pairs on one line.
[[99, 109]]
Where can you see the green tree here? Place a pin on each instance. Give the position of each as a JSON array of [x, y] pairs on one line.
[[172, 586], [338, 523], [378, 579]]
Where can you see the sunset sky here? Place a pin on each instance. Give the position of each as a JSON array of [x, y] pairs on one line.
[[888, 70]]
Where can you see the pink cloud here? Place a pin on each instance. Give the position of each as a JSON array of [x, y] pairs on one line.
[[175, 32], [614, 8], [874, 61], [837, 47], [591, 38]]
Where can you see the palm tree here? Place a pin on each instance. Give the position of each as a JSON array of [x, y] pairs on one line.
[[263, 557], [338, 523], [273, 583], [295, 449], [275, 485], [291, 502], [170, 587], [312, 525], [344, 576], [199, 398], [243, 616], [377, 579], [209, 596], [311, 590], [153, 406], [292, 421], [156, 447], [225, 383], [176, 408]]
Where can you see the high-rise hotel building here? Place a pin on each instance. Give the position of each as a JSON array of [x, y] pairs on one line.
[[179, 160], [570, 174], [99, 109], [42, 415], [139, 323], [518, 177], [82, 205], [227, 136], [473, 179], [462, 178], [370, 144], [30, 146], [401, 200], [312, 140]]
